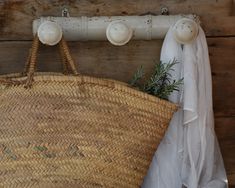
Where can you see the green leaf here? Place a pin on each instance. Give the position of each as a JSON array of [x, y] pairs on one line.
[[137, 76], [160, 83]]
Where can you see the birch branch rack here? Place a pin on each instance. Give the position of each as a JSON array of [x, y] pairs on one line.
[[117, 29]]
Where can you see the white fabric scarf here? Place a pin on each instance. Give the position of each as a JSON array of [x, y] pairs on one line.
[[189, 155]]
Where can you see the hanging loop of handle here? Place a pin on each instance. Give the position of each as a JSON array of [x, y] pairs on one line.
[[29, 69], [67, 60], [31, 62]]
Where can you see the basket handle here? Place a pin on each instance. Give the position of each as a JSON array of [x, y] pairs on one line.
[[67, 60]]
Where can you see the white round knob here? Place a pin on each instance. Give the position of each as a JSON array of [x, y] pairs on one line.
[[119, 33], [185, 31], [49, 33]]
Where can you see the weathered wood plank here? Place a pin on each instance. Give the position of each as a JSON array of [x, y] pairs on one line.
[[101, 59], [218, 25], [233, 9], [225, 130], [231, 179], [223, 67], [16, 15]]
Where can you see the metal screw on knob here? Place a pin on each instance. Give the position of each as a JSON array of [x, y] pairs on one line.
[[164, 11], [65, 12]]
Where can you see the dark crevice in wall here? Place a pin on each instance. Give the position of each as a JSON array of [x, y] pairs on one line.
[[221, 36]]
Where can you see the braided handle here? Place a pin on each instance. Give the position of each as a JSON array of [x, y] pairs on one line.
[[67, 60], [66, 56]]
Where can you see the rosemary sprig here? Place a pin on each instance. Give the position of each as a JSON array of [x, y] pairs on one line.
[[160, 83], [137, 76]]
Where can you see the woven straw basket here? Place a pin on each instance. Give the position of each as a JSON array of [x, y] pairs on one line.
[[60, 130]]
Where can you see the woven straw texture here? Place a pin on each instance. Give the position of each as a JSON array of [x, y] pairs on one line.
[[77, 131]]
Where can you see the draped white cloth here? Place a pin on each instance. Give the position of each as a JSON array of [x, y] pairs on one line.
[[189, 155]]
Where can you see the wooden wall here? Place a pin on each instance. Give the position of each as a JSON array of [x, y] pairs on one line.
[[104, 60]]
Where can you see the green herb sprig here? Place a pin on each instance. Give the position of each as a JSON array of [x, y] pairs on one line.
[[160, 84]]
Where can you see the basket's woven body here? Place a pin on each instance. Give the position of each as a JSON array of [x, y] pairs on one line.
[[69, 131], [76, 131]]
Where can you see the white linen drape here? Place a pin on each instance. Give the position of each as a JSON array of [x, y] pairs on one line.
[[189, 155]]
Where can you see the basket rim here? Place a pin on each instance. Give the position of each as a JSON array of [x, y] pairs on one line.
[[105, 82]]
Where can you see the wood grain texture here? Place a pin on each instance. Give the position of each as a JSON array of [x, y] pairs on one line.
[[215, 26], [102, 59], [225, 129], [222, 58], [16, 16], [233, 8]]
